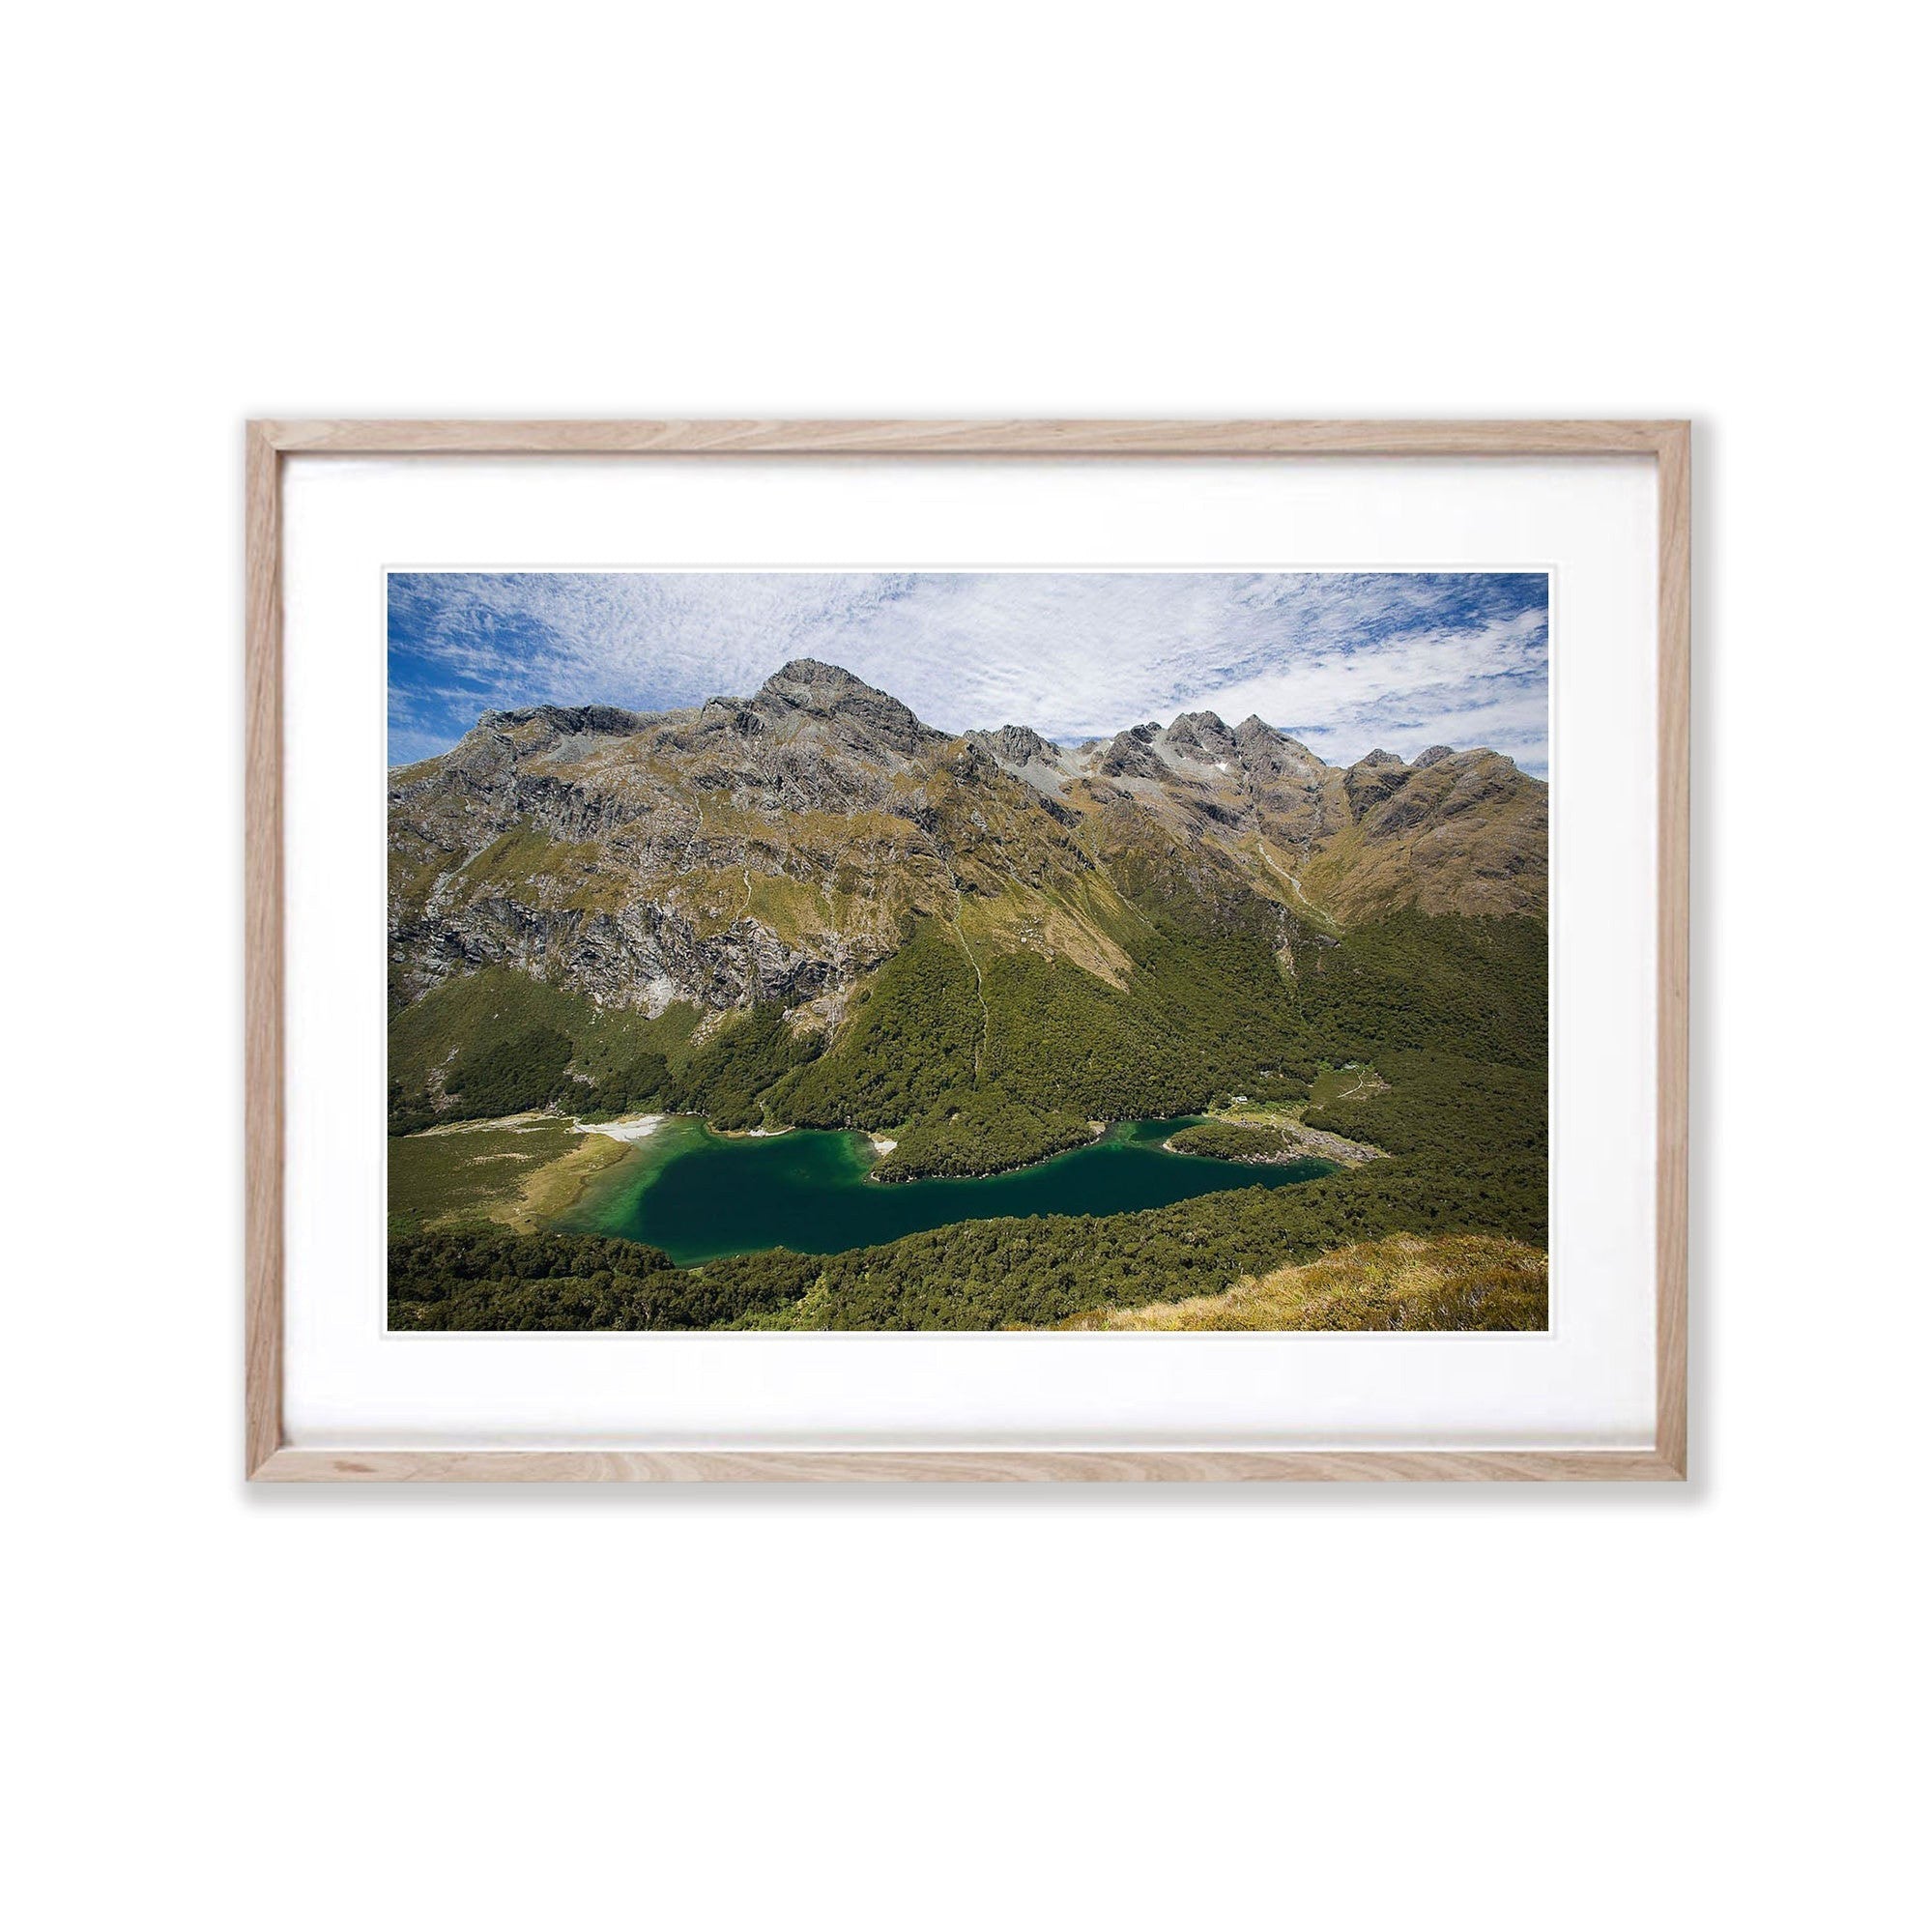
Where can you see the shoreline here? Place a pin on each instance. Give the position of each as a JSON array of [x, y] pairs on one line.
[[1296, 1142], [640, 1128], [629, 1128], [549, 1193], [1284, 1159], [591, 1186], [541, 1206], [1102, 1129]]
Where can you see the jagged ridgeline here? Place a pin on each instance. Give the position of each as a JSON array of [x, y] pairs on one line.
[[811, 908]]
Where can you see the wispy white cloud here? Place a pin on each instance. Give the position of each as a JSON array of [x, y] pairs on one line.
[[1343, 661]]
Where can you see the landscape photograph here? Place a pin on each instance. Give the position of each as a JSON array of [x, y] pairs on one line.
[[1126, 951]]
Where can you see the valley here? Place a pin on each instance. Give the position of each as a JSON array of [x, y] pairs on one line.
[[1002, 962]]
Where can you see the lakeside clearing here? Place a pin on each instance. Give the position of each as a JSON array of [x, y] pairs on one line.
[[521, 1171], [1349, 1083]]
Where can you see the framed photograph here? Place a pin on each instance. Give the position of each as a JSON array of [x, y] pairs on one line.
[[1022, 951]]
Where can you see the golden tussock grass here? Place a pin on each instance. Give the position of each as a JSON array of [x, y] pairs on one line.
[[1402, 1281]]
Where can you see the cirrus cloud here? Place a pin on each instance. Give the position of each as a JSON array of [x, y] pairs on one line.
[[1345, 661]]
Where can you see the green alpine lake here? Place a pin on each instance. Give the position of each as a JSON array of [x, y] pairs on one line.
[[698, 1195]]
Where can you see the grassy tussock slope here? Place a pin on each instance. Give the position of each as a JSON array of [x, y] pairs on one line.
[[1455, 1281]]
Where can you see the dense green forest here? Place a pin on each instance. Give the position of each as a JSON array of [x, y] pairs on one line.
[[529, 1069], [1479, 988], [726, 1076], [909, 1048], [481, 1277], [488, 1278], [987, 1132]]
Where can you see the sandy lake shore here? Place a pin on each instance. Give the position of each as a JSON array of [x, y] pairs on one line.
[[640, 1127]]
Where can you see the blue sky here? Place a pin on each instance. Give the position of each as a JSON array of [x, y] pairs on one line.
[[1345, 662]]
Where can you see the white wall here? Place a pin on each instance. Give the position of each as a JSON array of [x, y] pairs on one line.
[[918, 1709]]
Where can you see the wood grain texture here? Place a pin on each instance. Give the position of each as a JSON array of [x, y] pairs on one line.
[[263, 993], [268, 1459], [1673, 947], [1051, 1465], [1073, 438]]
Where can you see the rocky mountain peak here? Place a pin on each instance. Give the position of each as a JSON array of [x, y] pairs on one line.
[[1200, 735], [1130, 754], [1271, 754], [1373, 780], [831, 692], [1434, 755], [813, 685], [1015, 744]]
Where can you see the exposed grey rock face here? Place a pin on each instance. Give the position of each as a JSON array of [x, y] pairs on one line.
[[1017, 747], [1131, 754], [1373, 780], [971, 761], [1268, 755], [565, 720], [640, 956], [1202, 737], [1319, 1142]]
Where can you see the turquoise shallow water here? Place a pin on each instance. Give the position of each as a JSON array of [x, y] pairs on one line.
[[698, 1195]]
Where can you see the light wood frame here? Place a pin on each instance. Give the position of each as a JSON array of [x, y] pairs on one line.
[[269, 1458]]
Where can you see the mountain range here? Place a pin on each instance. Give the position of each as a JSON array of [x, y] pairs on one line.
[[775, 847]]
